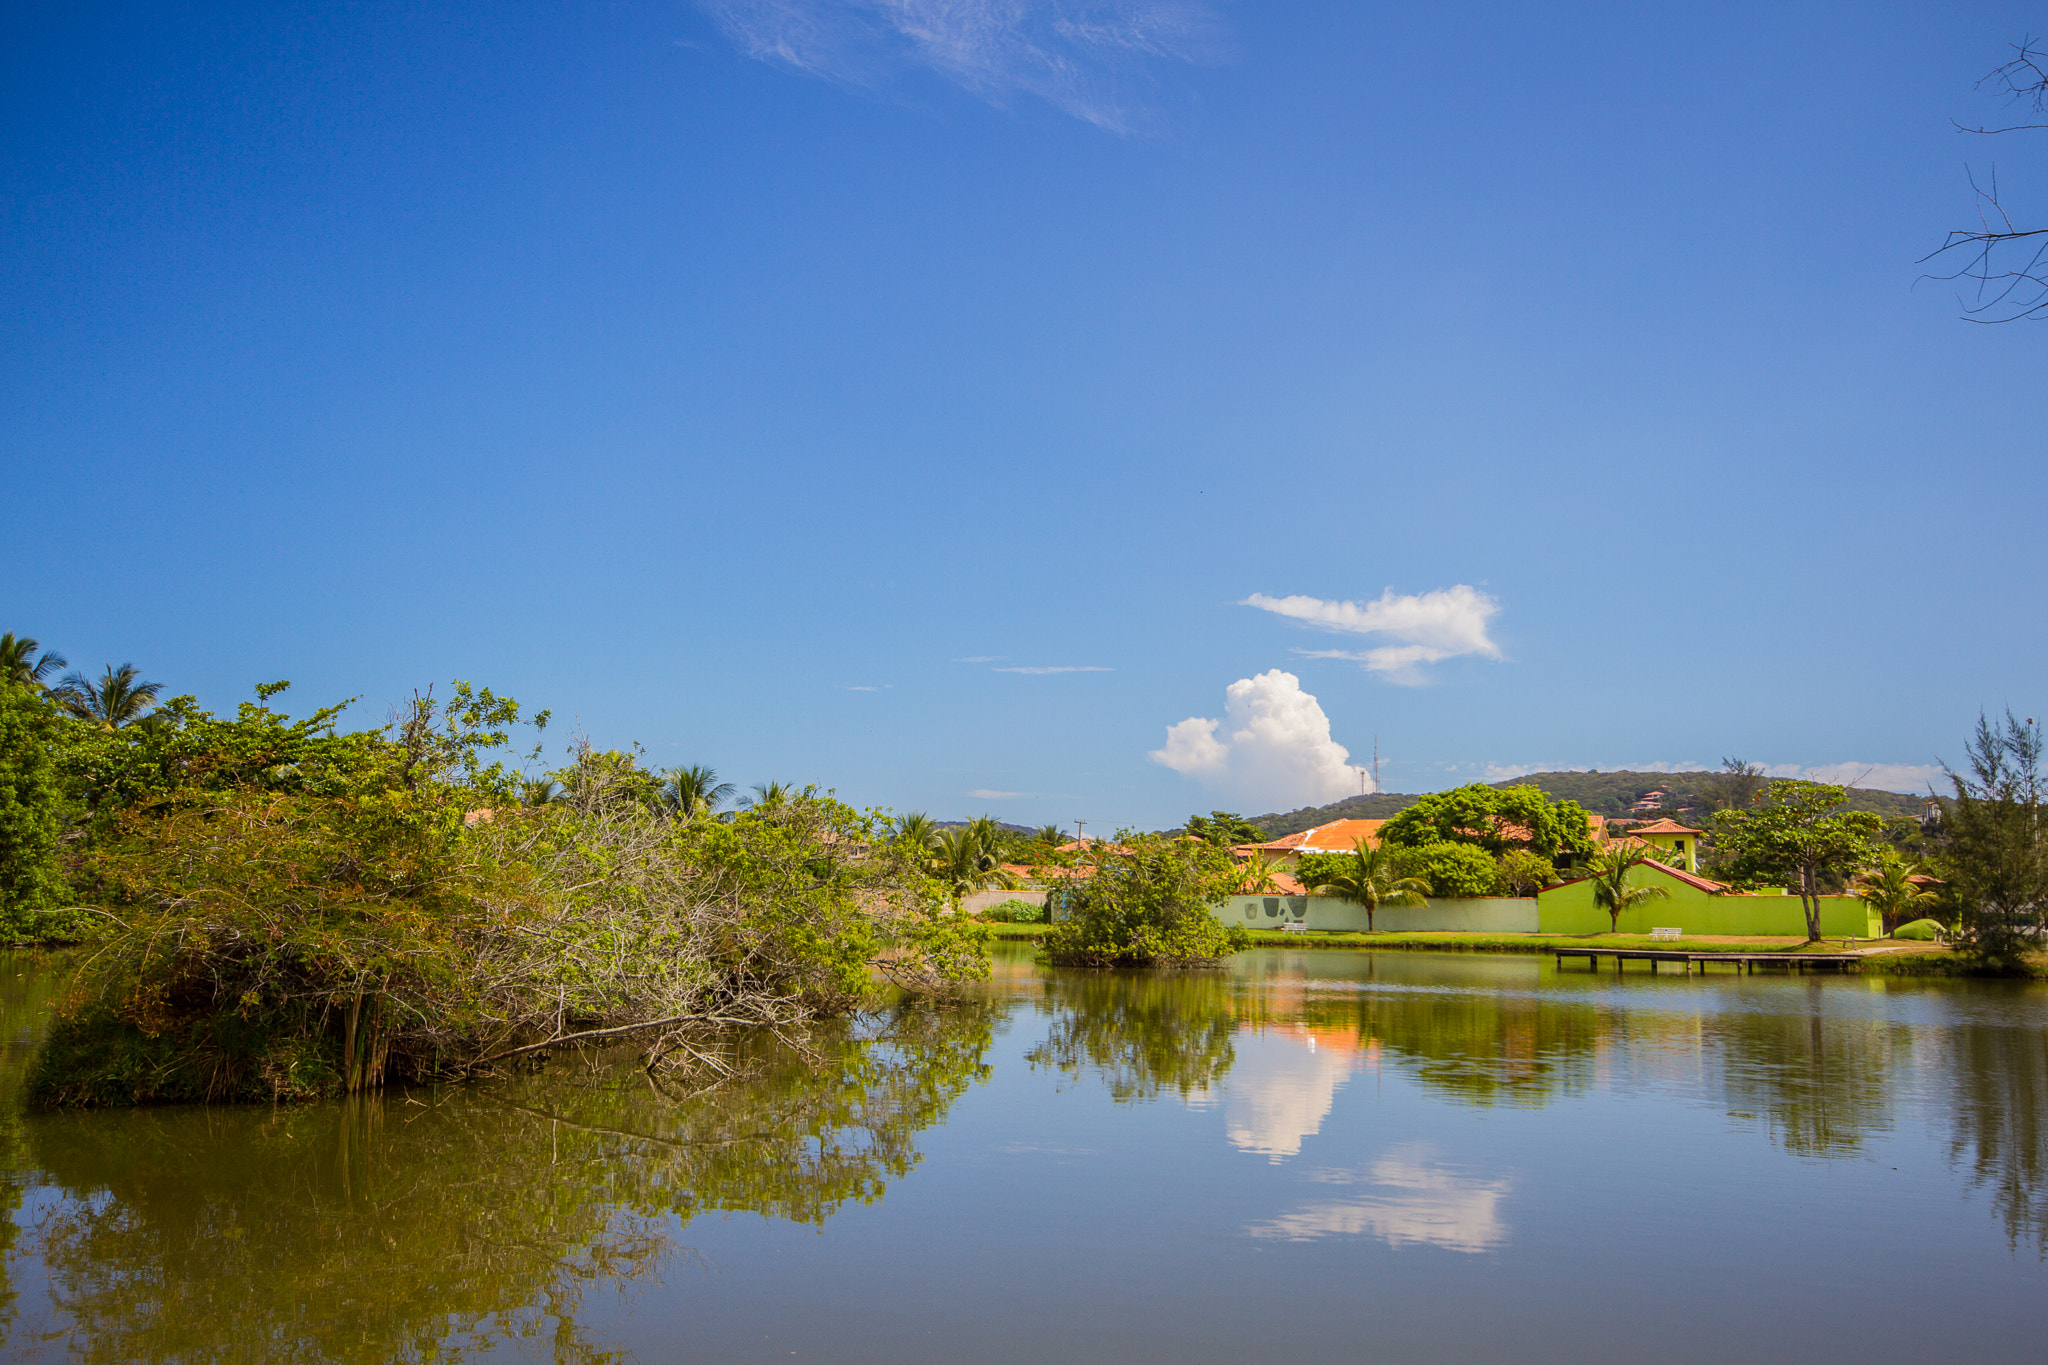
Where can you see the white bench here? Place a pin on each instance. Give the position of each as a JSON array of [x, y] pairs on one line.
[[1665, 935], [1294, 927]]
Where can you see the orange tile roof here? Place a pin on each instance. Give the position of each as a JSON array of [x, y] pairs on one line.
[[1339, 836], [1665, 826]]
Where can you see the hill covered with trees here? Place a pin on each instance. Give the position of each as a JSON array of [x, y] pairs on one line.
[[1686, 796]]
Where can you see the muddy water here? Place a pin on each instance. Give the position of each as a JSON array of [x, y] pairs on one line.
[[1309, 1156]]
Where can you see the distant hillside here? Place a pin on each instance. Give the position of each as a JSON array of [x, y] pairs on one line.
[[1610, 794], [1378, 806], [1613, 793]]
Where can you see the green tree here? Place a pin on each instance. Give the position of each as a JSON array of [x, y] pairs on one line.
[[116, 698], [1801, 833], [1992, 853], [20, 663], [1888, 888], [1147, 901], [31, 819], [1614, 891], [1523, 873], [1366, 877], [1225, 828], [1452, 870], [695, 790], [1495, 819]]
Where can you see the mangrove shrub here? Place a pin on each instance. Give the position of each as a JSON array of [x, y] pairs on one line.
[[1145, 900]]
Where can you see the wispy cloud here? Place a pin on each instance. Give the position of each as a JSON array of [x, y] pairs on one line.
[[864, 687], [1059, 668], [1424, 628], [984, 794], [1271, 748], [979, 659], [1080, 56]]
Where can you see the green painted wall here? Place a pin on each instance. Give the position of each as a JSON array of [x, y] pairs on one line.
[[1570, 909]]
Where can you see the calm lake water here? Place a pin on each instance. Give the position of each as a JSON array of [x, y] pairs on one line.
[[1312, 1156]]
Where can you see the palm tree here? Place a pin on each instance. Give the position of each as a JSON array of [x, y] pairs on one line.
[[1261, 874], [916, 831], [538, 791], [694, 791], [1050, 836], [1611, 890], [116, 698], [964, 861], [19, 662], [1890, 890], [767, 795], [1367, 877]]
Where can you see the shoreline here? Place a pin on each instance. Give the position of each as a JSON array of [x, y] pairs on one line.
[[1887, 957]]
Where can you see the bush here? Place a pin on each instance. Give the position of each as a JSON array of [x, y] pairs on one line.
[[1015, 912], [270, 945], [1147, 901], [1453, 870]]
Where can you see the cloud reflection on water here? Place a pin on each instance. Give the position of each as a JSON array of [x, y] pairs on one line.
[[1284, 1095], [1415, 1201]]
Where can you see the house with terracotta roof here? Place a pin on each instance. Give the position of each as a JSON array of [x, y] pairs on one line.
[[1339, 836], [1668, 836]]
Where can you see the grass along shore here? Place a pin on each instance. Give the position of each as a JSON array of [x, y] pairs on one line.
[[1893, 957]]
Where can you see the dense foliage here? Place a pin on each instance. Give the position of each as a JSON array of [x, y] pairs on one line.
[[1453, 871], [280, 908], [1495, 819], [1224, 828], [31, 813], [1145, 900]]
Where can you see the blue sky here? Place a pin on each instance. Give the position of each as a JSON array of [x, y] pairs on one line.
[[939, 401]]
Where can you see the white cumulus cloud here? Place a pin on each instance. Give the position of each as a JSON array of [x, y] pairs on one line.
[[1420, 628], [1076, 55], [1272, 748]]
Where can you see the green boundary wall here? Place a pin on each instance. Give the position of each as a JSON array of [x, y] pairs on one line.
[[1570, 909]]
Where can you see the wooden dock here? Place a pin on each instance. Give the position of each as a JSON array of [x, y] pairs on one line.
[[1741, 962]]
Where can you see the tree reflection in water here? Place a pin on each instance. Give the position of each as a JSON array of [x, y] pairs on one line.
[[1819, 1079], [1999, 1122], [441, 1225], [1141, 1032]]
